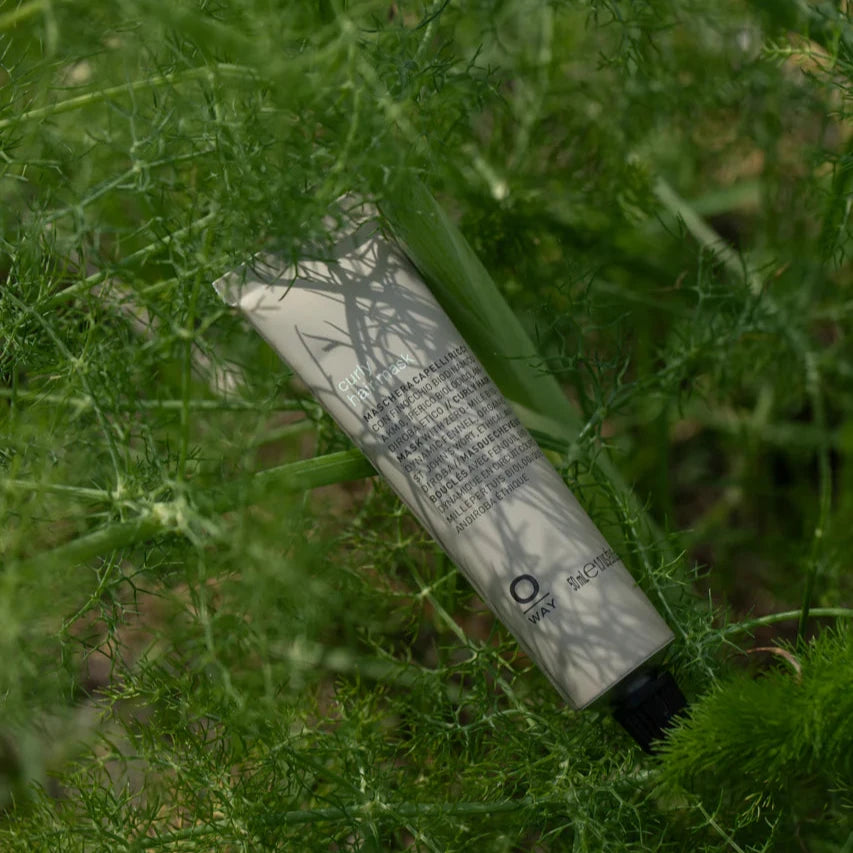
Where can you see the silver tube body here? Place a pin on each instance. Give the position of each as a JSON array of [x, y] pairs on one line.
[[382, 357]]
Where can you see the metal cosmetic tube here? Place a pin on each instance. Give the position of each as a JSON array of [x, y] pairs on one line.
[[378, 352]]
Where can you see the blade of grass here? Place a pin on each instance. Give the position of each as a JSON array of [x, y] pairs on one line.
[[467, 292]]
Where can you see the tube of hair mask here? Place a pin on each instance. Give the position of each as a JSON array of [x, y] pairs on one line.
[[367, 336]]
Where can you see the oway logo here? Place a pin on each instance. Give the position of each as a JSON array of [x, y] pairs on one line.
[[525, 589]]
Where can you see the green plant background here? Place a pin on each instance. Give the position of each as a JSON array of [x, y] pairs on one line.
[[217, 632]]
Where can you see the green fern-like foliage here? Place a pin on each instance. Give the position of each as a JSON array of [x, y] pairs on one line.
[[775, 750], [218, 631]]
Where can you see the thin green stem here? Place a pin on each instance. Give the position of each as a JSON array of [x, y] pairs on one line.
[[372, 809], [142, 254], [84, 403], [825, 493], [719, 829], [451, 624], [102, 541], [14, 484], [406, 810], [175, 516], [283, 432], [705, 235], [107, 186], [24, 11], [112, 449], [188, 338], [101, 95], [787, 616]]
